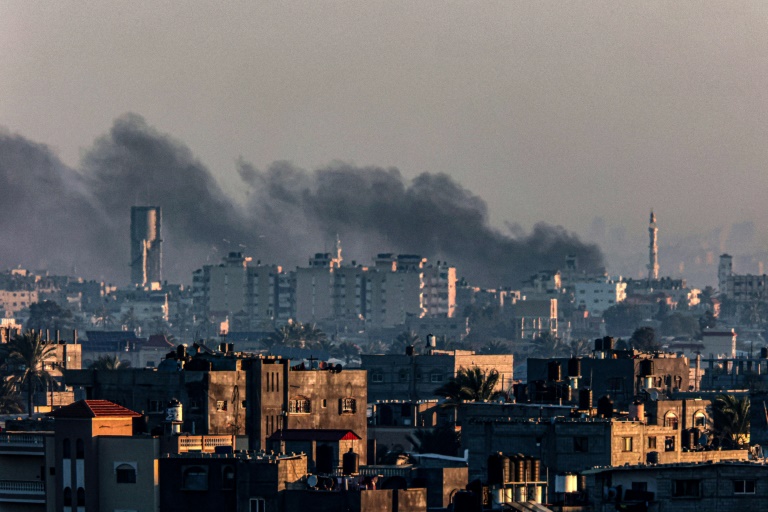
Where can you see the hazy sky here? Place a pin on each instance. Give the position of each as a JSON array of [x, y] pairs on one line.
[[554, 111]]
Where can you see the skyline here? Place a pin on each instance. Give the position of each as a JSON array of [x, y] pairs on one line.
[[580, 115]]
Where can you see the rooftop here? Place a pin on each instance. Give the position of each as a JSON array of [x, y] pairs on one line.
[[94, 409]]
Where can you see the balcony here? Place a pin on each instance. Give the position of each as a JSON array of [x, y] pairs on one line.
[[21, 491], [22, 444]]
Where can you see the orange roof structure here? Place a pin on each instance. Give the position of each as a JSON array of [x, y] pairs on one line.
[[93, 409]]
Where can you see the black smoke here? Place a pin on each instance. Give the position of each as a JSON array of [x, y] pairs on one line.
[[62, 218]]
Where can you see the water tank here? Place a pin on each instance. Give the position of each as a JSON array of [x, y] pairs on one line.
[[566, 393], [605, 406], [173, 411], [231, 347], [554, 371], [646, 367], [764, 353], [574, 367], [637, 411], [498, 469], [599, 345], [181, 352], [571, 483], [409, 350], [560, 484], [223, 347], [607, 343], [581, 483], [350, 463], [431, 340], [535, 470], [585, 399], [519, 468], [324, 463]]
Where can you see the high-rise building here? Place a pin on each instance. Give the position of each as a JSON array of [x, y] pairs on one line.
[[146, 245]]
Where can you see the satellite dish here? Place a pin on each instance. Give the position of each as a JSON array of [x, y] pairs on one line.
[[653, 394], [338, 368], [703, 439], [312, 480]]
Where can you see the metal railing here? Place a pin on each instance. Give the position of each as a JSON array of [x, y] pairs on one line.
[[21, 487], [37, 440]]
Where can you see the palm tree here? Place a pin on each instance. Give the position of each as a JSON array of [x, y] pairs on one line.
[[495, 347], [108, 362], [580, 347], [10, 400], [26, 354], [347, 351], [403, 340], [469, 385], [548, 346], [129, 321], [730, 420]]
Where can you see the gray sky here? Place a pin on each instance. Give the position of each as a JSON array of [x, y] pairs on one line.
[[554, 111]]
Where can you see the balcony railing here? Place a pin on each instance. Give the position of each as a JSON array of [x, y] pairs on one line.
[[33, 440], [22, 491]]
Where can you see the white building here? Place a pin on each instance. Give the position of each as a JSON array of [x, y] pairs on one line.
[[598, 295]]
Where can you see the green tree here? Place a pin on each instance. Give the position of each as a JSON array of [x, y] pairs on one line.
[[25, 356], [108, 362], [10, 399], [730, 420], [49, 315], [469, 385], [644, 338], [547, 346]]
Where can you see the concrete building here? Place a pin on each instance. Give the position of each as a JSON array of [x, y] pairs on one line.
[[415, 377], [685, 487], [146, 245], [740, 287], [598, 295], [572, 444], [23, 478], [532, 318], [12, 302], [95, 462]]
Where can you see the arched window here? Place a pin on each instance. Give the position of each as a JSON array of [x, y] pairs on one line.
[[228, 477], [80, 497], [80, 449], [670, 420], [67, 497], [700, 419], [125, 474], [194, 478], [67, 449]]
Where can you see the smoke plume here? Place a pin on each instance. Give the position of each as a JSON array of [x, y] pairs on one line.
[[64, 219]]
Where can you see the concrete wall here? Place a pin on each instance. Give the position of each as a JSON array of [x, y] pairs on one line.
[[140, 452]]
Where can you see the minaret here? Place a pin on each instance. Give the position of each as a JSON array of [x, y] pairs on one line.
[[653, 249]]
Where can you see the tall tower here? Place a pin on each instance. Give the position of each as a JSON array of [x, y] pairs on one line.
[[724, 273], [653, 249], [146, 245]]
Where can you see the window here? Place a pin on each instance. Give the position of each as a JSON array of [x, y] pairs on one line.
[[348, 405], [80, 449], [257, 505], [669, 444], [581, 444], [299, 405], [194, 478], [125, 474], [377, 376], [67, 497], [670, 420], [324, 403], [744, 487], [437, 377], [228, 477], [686, 488], [652, 443], [626, 444], [221, 406], [80, 497], [67, 449], [404, 377], [700, 420]]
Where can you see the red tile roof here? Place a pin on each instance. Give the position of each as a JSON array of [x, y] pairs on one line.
[[93, 409], [295, 434]]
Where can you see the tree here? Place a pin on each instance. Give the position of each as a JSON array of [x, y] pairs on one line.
[[129, 321], [10, 400], [295, 334], [730, 420], [678, 324], [441, 440], [109, 363], [469, 385], [103, 317], [548, 346], [25, 355], [580, 347], [347, 351], [644, 338], [495, 347], [49, 315], [623, 318], [403, 340]]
